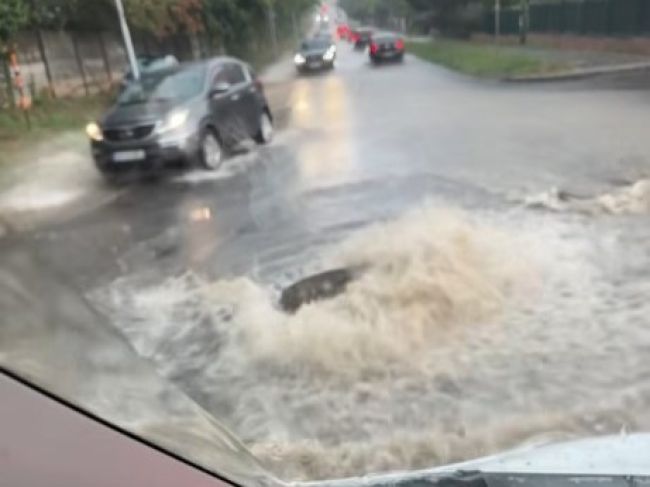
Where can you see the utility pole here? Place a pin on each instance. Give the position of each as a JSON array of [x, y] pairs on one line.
[[272, 27], [497, 19], [126, 34], [294, 24]]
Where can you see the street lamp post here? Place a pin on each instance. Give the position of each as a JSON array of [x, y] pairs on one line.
[[126, 34], [272, 26]]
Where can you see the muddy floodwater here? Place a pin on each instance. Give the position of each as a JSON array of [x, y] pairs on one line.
[[467, 334]]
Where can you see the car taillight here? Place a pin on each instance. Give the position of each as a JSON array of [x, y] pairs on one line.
[[399, 44], [373, 48]]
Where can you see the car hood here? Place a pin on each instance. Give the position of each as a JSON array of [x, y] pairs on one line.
[[619, 455], [604, 455], [57, 341], [133, 114]]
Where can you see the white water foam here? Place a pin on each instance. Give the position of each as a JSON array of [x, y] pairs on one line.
[[462, 338], [633, 199]]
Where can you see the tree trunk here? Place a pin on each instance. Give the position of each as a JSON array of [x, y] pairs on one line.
[[45, 61], [107, 63], [8, 80], [80, 64]]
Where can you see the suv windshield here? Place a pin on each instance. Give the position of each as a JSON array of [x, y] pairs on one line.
[[417, 241], [315, 44], [176, 85], [57, 341]]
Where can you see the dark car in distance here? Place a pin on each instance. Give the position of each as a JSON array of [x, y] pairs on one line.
[[315, 54], [189, 113], [361, 38], [386, 47]]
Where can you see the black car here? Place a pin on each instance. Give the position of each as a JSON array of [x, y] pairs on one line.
[[190, 113], [361, 38], [386, 47], [315, 54]]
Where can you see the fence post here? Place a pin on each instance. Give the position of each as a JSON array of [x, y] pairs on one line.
[[107, 63], [497, 19], [524, 21], [581, 16], [80, 65], [610, 19], [640, 18]]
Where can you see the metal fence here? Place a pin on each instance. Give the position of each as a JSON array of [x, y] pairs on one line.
[[583, 17], [68, 63]]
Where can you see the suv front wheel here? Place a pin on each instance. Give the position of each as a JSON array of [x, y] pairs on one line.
[[211, 152], [264, 133]]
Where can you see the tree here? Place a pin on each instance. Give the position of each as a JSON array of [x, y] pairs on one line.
[[51, 14], [239, 24], [378, 12], [14, 14]]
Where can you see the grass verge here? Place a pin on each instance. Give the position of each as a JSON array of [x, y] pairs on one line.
[[48, 117], [481, 60]]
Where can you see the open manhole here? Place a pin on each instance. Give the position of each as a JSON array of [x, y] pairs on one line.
[[324, 285]]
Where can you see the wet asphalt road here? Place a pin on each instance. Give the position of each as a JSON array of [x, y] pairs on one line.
[[356, 145]]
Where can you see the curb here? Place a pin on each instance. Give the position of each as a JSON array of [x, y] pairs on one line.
[[576, 74]]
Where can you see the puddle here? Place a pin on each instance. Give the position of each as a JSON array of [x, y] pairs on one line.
[[242, 161], [32, 198], [232, 166]]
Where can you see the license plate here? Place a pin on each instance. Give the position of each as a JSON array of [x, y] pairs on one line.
[[315, 64], [129, 155]]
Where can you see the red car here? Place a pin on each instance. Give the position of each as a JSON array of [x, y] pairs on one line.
[[343, 31]]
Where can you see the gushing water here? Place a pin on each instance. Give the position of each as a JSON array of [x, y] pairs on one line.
[[633, 199], [461, 338]]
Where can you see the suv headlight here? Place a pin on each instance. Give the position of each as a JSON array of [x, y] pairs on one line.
[[329, 55], [299, 59], [175, 120], [94, 132]]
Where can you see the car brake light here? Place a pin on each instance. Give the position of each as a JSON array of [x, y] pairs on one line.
[[399, 44], [374, 48]]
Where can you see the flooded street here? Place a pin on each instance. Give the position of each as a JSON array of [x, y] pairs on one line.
[[492, 311], [466, 337]]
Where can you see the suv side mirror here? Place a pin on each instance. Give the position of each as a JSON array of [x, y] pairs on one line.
[[220, 88]]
